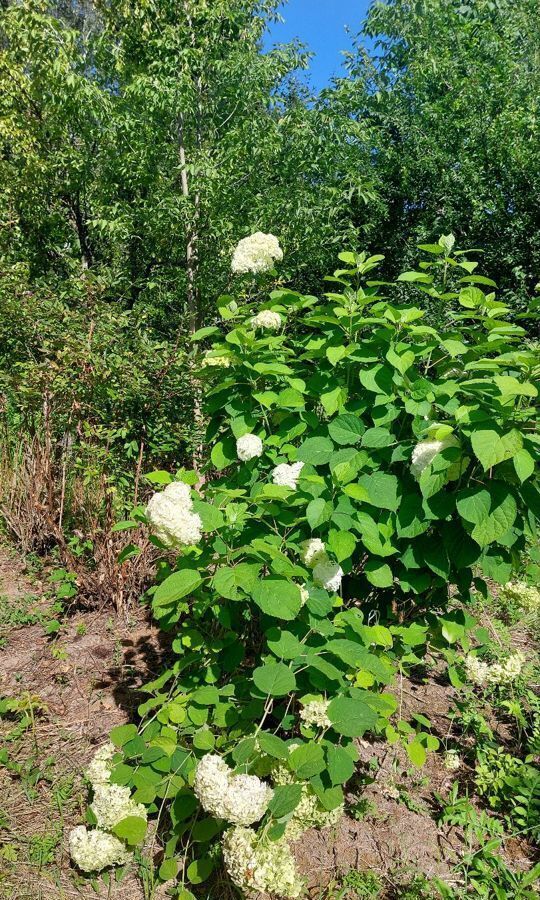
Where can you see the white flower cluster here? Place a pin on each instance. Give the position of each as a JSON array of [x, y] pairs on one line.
[[240, 799], [259, 866], [425, 452], [310, 813], [325, 573], [304, 594], [287, 475], [171, 517], [222, 361], [523, 594], [481, 673], [328, 575], [94, 850], [267, 319], [452, 760], [248, 447], [112, 803], [313, 551], [315, 712], [256, 253], [99, 769]]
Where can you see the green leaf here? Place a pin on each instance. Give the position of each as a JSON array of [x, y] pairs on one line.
[[318, 511], [307, 760], [346, 429], [274, 679], [400, 361], [351, 718], [122, 734], [285, 799], [125, 525], [176, 586], [317, 451], [206, 829], [523, 464], [415, 276], [340, 764], [272, 745], [278, 597], [211, 517], [283, 644], [416, 753], [502, 515], [200, 869], [379, 574], [342, 544], [223, 454], [168, 869], [378, 378], [377, 438], [490, 448], [132, 830], [335, 354], [382, 490], [474, 504]]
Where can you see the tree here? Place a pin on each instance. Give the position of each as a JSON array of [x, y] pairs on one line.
[[450, 90]]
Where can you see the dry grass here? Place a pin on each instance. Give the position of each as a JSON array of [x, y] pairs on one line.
[[40, 491]]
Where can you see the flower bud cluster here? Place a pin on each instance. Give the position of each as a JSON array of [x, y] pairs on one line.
[[261, 866], [171, 517], [239, 799]]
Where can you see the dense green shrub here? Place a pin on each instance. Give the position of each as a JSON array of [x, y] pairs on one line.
[[362, 464]]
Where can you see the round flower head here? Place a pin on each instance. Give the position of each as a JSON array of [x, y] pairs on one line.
[[503, 673], [328, 575], [112, 803], [313, 551], [256, 253], [523, 594], [171, 517], [315, 713], [425, 452], [304, 594], [95, 850], [259, 866], [248, 447], [452, 760], [267, 319], [480, 673], [211, 783], [287, 475], [246, 800], [222, 361], [240, 799], [476, 669], [99, 769]]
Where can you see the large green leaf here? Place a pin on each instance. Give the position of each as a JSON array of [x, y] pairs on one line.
[[502, 514], [278, 597], [285, 799], [491, 448], [340, 764], [176, 586], [307, 760], [382, 490], [316, 450], [351, 717], [346, 429], [274, 679]]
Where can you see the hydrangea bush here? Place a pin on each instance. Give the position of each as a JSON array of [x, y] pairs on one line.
[[362, 466]]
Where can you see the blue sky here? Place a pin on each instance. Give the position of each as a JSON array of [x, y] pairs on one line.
[[321, 25]]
